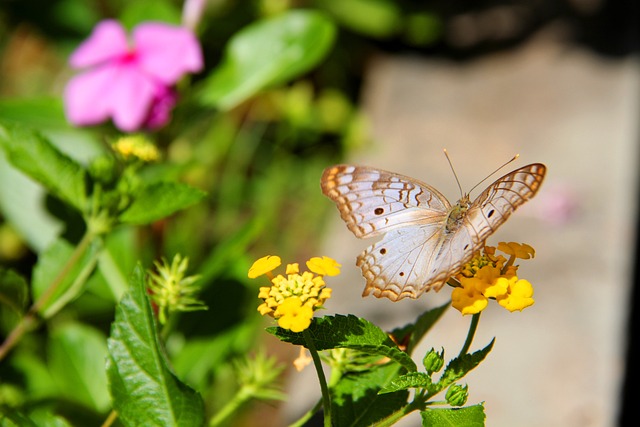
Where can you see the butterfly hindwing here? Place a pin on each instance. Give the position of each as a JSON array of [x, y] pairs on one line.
[[408, 262], [374, 202]]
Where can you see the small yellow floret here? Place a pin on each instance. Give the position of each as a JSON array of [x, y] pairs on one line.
[[520, 296], [324, 266], [264, 265], [467, 299], [490, 283], [519, 250], [293, 268], [293, 315]]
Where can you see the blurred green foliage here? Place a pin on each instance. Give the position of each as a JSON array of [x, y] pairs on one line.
[[253, 133]]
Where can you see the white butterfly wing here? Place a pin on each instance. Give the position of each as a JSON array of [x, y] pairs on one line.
[[373, 202], [408, 262], [418, 253], [495, 204]]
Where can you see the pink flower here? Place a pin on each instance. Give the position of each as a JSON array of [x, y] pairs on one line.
[[130, 82]]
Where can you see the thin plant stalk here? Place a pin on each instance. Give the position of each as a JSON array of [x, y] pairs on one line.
[[240, 398], [473, 326], [326, 400], [307, 416], [111, 418], [29, 321]]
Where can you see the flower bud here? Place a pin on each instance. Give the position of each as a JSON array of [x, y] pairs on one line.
[[433, 361], [457, 395], [103, 169]]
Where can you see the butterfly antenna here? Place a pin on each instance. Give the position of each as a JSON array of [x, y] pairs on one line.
[[454, 172], [487, 177]]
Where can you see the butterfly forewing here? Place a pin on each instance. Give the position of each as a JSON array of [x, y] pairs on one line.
[[373, 202], [495, 204], [421, 250]]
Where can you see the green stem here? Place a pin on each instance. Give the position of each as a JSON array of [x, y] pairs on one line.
[[307, 416], [472, 331], [30, 319], [75, 257], [111, 418], [232, 406], [75, 287], [326, 400], [28, 322], [399, 414]]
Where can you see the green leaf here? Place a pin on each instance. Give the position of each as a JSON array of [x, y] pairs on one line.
[[269, 52], [77, 356], [10, 417], [460, 366], [117, 260], [469, 416], [23, 205], [38, 418], [199, 356], [375, 18], [35, 375], [14, 297], [407, 381], [158, 200], [37, 157], [355, 399], [417, 330], [348, 332], [136, 12], [52, 266], [36, 112], [47, 418], [144, 389]]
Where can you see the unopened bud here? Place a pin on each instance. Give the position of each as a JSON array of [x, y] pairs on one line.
[[433, 361], [457, 395]]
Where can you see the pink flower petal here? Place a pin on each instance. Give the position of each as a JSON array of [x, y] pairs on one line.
[[84, 97], [167, 52], [131, 97], [119, 91], [160, 112], [107, 41]]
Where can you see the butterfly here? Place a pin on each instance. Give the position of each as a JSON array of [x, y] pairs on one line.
[[426, 239]]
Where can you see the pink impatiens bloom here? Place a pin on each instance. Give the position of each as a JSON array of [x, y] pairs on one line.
[[130, 81]]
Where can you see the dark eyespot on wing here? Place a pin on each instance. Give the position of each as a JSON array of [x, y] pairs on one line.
[[378, 211], [401, 273], [490, 214], [383, 251]]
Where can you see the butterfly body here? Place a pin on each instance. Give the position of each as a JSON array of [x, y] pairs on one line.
[[426, 239], [457, 213]]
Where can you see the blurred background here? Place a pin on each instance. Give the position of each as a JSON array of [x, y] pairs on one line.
[[557, 82]]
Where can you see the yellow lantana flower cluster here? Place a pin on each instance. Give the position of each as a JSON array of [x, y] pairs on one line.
[[293, 298], [136, 147], [491, 276]]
